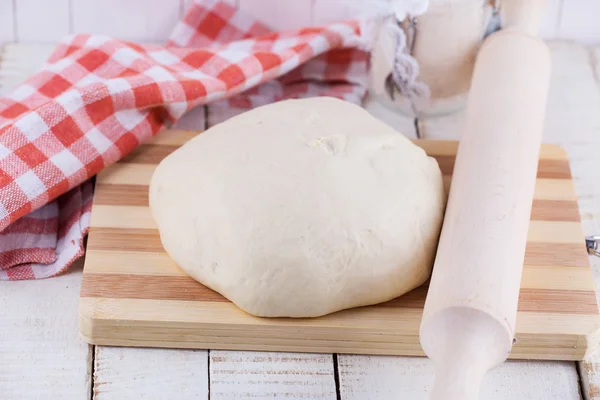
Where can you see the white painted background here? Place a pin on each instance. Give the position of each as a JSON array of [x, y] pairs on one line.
[[46, 21]]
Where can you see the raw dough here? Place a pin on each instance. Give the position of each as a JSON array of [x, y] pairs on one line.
[[301, 208]]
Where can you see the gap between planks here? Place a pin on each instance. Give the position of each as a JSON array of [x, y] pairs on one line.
[[92, 371], [208, 368]]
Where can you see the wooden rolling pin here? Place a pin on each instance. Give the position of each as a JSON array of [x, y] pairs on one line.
[[469, 317]]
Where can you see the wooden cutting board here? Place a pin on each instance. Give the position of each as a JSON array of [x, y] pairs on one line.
[[134, 295]]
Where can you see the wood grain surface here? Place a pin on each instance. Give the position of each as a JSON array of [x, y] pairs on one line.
[[133, 294]]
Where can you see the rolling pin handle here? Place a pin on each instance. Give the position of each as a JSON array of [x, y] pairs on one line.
[[454, 389], [464, 343], [456, 382]]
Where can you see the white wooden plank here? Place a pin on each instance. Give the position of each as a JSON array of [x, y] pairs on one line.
[[390, 378], [42, 356], [279, 15], [327, 11], [122, 373], [245, 375], [18, 62], [148, 21], [579, 97], [42, 21], [6, 22], [579, 21], [551, 19]]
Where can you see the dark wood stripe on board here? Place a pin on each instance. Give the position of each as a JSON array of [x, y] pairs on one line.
[[129, 286], [558, 301], [532, 300], [148, 240], [547, 169], [137, 195], [555, 210], [557, 254], [125, 239], [121, 195], [154, 287], [149, 154]]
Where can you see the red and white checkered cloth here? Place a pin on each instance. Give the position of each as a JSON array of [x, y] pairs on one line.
[[98, 98]]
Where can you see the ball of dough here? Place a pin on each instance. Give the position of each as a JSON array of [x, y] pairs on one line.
[[301, 208]]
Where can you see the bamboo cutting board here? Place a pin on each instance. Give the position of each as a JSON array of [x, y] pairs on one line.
[[133, 294]]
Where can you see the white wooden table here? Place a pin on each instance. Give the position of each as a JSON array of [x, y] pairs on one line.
[[42, 356]]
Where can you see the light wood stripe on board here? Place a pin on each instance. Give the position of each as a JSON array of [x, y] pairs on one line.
[[127, 174], [186, 288], [146, 263], [226, 313], [304, 339], [558, 232], [210, 324], [141, 174], [135, 217], [148, 240], [554, 189], [172, 137], [560, 278], [547, 169], [132, 263], [407, 322], [123, 217]]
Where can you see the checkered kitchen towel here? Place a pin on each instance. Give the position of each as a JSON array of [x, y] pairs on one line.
[[98, 98]]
